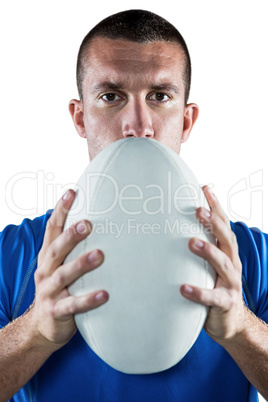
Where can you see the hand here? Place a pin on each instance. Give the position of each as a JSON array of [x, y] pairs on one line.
[[227, 312], [54, 308]]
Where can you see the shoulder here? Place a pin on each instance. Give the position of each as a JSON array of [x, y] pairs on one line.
[[252, 244], [28, 232], [19, 246], [253, 253]]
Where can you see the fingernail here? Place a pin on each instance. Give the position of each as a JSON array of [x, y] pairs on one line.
[[66, 195], [94, 256], [81, 228], [206, 213], [188, 289], [198, 244], [211, 193], [100, 297]]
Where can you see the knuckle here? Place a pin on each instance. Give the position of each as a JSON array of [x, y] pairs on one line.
[[216, 221], [227, 264], [58, 278], [52, 251], [51, 310], [71, 309], [210, 249], [49, 225], [233, 240], [70, 233], [80, 264], [38, 276], [201, 296]]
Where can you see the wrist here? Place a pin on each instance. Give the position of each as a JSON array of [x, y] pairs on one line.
[[36, 339], [241, 334]]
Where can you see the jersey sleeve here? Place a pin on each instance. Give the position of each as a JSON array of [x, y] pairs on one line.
[[19, 247], [253, 253]]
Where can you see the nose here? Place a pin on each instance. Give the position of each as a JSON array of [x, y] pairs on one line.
[[137, 120]]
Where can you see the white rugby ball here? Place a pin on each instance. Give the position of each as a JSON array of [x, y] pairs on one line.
[[141, 199]]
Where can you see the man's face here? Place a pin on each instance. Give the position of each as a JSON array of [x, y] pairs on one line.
[[133, 90]]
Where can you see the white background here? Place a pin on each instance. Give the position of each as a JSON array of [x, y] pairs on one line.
[[40, 153]]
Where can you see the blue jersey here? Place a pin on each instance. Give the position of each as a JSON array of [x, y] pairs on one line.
[[75, 373]]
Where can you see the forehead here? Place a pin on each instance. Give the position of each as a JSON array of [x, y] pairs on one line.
[[114, 59]]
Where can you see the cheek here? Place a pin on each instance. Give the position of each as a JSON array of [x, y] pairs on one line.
[[100, 132], [94, 122], [169, 131], [99, 121], [170, 125]]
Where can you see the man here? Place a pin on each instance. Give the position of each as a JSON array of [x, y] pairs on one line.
[[133, 77]]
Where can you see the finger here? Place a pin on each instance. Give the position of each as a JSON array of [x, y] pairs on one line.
[[63, 245], [56, 222], [225, 236], [76, 305], [217, 259], [210, 298], [70, 272], [214, 205]]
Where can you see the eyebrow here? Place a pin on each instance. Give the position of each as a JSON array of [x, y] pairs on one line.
[[166, 87], [108, 86]]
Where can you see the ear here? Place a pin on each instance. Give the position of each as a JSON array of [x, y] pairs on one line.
[[191, 113], [76, 111]]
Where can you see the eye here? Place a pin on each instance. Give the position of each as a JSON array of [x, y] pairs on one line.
[[110, 97], [159, 97]]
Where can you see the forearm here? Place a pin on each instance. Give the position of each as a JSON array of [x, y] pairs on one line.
[[249, 349], [229, 322], [27, 343], [22, 353]]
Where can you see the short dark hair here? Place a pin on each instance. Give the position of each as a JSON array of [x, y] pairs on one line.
[[137, 26]]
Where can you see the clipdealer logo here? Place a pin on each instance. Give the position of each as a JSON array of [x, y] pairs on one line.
[[132, 226], [244, 199], [132, 199]]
